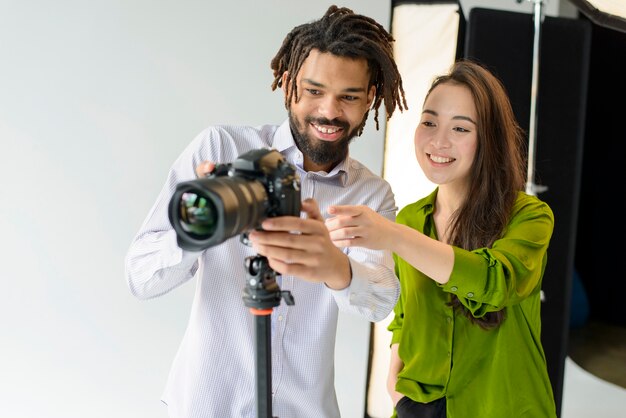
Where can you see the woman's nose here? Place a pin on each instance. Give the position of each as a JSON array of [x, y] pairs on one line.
[[440, 139]]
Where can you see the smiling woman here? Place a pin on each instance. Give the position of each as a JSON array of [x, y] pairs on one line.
[[124, 103], [427, 34], [470, 258], [446, 135]]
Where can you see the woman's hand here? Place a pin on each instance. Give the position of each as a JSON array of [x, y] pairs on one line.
[[359, 226], [395, 365]]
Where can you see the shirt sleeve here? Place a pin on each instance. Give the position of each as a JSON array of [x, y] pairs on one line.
[[154, 263], [374, 289], [489, 279]]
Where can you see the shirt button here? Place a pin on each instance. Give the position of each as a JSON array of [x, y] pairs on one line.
[[470, 295], [280, 317], [454, 288]]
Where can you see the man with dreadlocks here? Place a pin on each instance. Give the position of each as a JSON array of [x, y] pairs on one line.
[[332, 71]]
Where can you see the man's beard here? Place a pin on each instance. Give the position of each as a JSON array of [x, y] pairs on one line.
[[323, 152]]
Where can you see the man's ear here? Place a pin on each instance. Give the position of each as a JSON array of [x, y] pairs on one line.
[[284, 83], [371, 94]]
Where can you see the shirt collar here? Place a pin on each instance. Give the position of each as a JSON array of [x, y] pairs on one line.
[[283, 140], [428, 203]]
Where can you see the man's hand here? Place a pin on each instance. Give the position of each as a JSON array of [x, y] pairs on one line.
[[204, 168], [303, 248]]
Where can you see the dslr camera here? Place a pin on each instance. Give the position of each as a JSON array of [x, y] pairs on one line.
[[235, 198]]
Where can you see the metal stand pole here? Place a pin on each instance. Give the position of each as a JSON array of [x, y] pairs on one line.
[[261, 295], [531, 187]]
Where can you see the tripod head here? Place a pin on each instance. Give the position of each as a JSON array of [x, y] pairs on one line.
[[262, 292]]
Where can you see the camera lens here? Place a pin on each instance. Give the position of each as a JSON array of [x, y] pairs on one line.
[[198, 215], [206, 212], [234, 199]]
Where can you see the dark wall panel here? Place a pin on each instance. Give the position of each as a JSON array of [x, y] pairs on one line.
[[503, 41], [600, 244]]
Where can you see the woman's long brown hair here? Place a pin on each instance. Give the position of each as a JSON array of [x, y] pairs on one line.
[[497, 174]]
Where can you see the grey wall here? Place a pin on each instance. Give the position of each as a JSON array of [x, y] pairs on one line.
[[96, 100]]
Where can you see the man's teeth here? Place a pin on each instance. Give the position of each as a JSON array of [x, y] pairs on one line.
[[438, 159], [325, 130]]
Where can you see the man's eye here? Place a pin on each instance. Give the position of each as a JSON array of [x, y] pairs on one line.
[[350, 98], [314, 92], [428, 123]]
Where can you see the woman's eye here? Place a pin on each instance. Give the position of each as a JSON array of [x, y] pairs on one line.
[[461, 129]]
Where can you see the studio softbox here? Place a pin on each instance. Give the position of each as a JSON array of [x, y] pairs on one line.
[[607, 13]]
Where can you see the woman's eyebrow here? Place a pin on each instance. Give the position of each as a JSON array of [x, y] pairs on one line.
[[458, 117]]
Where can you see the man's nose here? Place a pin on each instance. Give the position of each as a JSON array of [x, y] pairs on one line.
[[330, 108]]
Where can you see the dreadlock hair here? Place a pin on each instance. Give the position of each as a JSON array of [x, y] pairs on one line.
[[343, 33], [497, 173]]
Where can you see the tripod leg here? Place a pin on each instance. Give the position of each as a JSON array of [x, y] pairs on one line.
[[264, 364], [261, 295]]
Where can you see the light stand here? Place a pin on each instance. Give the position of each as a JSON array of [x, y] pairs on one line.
[[261, 295], [531, 187]]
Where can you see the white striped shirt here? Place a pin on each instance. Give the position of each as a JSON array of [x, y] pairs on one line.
[[213, 373]]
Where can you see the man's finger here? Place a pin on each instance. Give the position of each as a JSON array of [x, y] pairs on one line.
[[264, 241], [285, 224], [204, 168], [312, 210], [348, 210]]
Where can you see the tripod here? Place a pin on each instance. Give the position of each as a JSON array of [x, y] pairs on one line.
[[261, 295]]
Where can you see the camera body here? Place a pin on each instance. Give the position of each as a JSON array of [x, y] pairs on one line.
[[235, 198]]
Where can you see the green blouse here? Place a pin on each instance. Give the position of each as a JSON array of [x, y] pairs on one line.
[[500, 373]]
